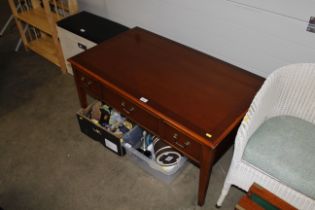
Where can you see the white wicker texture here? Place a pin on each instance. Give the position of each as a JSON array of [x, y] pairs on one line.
[[289, 90]]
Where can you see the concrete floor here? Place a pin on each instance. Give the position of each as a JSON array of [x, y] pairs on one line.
[[47, 163]]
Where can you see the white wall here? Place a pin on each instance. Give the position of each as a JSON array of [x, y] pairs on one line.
[[256, 39]]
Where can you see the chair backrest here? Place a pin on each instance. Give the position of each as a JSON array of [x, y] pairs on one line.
[[297, 91], [289, 90]]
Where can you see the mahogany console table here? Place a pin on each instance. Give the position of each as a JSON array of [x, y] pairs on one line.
[[192, 101]]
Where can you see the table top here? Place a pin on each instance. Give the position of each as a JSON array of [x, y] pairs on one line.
[[199, 94]]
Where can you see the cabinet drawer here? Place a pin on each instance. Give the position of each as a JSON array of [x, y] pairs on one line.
[[90, 85], [131, 110], [72, 44], [181, 142]]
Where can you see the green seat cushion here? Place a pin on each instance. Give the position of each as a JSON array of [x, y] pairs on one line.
[[284, 148]]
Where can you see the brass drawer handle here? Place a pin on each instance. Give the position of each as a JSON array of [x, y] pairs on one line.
[[128, 111], [176, 137], [125, 108], [186, 144], [180, 145], [82, 78], [89, 83]]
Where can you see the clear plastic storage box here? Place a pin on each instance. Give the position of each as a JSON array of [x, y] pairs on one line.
[[164, 173]]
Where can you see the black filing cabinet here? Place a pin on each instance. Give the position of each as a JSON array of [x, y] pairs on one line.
[[84, 30]]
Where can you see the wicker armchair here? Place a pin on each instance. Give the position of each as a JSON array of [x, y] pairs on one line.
[[289, 91]]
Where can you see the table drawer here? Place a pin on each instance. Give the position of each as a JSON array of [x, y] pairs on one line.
[[181, 142], [90, 85], [130, 110]]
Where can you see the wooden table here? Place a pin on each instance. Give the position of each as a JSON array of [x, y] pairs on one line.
[[194, 102]]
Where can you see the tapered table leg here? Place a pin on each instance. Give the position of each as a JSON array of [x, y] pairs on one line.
[[80, 91], [82, 97], [206, 163]]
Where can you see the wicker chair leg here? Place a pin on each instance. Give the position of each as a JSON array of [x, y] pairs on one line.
[[224, 192]]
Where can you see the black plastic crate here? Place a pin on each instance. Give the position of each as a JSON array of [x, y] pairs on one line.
[[99, 133]]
